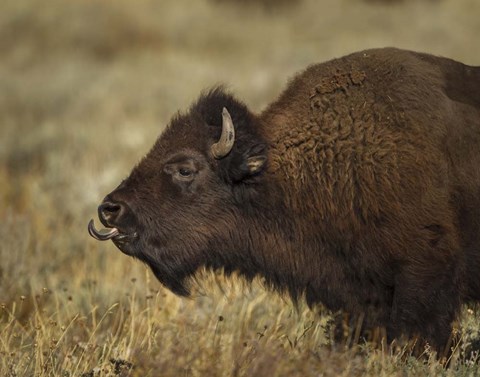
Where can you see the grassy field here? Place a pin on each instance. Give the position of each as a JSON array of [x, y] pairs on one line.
[[85, 88]]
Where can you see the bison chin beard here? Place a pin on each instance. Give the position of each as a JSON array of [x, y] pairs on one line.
[[126, 247]]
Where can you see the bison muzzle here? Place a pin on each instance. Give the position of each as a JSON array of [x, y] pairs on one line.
[[358, 188]]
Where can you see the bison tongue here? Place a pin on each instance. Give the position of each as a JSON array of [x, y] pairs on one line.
[[102, 235]]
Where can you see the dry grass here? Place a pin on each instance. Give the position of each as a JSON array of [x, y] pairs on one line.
[[85, 86]]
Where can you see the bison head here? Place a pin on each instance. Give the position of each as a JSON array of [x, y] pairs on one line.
[[182, 206]]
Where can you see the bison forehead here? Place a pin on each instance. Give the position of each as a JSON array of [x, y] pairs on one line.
[[185, 132]]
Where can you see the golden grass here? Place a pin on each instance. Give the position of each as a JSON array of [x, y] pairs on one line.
[[85, 86]]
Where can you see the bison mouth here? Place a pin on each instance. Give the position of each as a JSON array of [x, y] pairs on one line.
[[121, 239]]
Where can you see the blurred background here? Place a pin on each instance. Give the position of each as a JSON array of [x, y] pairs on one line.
[[85, 88]]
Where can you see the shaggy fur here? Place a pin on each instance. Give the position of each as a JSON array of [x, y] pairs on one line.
[[365, 195]]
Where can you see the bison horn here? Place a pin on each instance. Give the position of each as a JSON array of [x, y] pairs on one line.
[[223, 147], [102, 235]]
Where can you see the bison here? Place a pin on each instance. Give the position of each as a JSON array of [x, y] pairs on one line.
[[358, 188]]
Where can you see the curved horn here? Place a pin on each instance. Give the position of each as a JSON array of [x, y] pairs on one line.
[[223, 147], [102, 235]]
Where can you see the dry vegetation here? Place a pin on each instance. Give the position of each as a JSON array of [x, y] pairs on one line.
[[85, 86]]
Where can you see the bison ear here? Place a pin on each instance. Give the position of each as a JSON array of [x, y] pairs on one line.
[[248, 164], [255, 164]]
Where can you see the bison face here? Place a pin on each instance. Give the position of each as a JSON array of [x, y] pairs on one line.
[[180, 206]]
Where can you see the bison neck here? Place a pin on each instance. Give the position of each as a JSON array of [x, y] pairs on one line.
[[292, 257], [307, 238]]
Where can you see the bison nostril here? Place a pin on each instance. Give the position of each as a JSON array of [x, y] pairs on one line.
[[109, 212], [112, 209]]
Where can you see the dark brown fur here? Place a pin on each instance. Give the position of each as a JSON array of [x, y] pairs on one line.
[[368, 202]]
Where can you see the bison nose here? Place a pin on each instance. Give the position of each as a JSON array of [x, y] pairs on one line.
[[110, 213]]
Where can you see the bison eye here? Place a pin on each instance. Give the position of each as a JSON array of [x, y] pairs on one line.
[[185, 172], [182, 171]]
